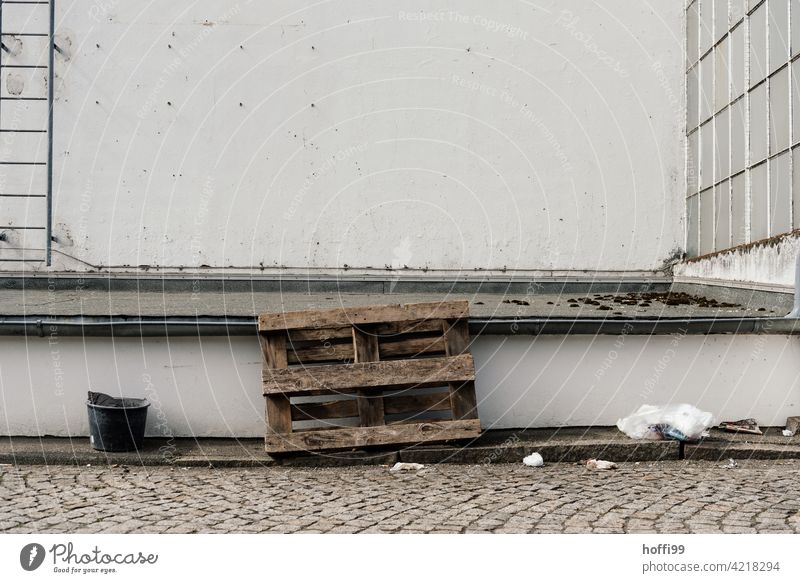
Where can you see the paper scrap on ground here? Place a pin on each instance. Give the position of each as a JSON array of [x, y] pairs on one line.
[[742, 426], [534, 460], [594, 464], [406, 467]]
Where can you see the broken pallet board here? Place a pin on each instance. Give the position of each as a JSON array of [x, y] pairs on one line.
[[370, 375]]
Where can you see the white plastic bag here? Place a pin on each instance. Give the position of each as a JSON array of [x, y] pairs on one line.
[[687, 419]]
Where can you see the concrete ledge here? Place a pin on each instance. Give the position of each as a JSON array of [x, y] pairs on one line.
[[386, 282], [555, 445], [63, 306], [721, 451], [122, 327], [552, 452]]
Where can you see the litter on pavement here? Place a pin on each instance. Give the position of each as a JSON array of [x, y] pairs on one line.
[[681, 422], [742, 426], [594, 464], [534, 460], [731, 464], [406, 467]]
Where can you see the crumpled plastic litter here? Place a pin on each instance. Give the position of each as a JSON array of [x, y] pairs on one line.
[[788, 433], [406, 467], [534, 460], [682, 422], [103, 400], [594, 464], [669, 432], [731, 464], [652, 433]]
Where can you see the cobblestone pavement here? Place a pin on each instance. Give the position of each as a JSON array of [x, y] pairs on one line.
[[648, 497]]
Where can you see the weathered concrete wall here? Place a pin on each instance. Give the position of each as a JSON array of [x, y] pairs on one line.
[[211, 386], [768, 265], [743, 133], [429, 134], [742, 126]]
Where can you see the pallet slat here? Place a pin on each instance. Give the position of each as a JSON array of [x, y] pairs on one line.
[[346, 408], [341, 409], [340, 317], [334, 352], [348, 437], [353, 392], [393, 373], [402, 404], [388, 330], [462, 394], [278, 407], [370, 406], [321, 334], [393, 346], [412, 347]]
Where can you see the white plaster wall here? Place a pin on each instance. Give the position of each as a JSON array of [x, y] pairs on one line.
[[584, 380], [429, 134], [211, 386]]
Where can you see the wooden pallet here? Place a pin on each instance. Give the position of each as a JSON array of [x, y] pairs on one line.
[[355, 377]]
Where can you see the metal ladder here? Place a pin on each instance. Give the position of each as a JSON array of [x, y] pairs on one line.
[[26, 127]]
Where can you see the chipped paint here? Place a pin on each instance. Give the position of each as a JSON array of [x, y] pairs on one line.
[[14, 45], [15, 84]]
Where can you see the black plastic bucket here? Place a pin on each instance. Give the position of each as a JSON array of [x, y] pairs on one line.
[[118, 427]]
